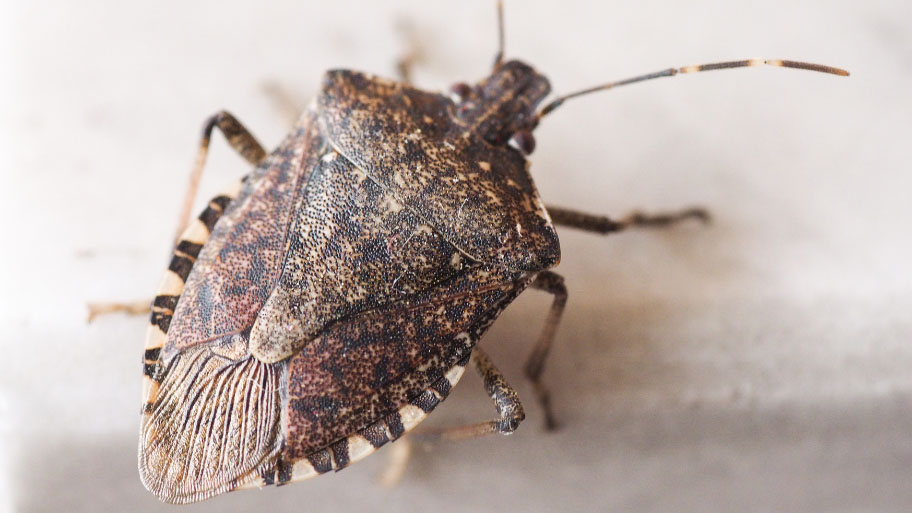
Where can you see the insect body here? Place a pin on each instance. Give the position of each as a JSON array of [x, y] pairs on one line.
[[325, 305], [342, 290]]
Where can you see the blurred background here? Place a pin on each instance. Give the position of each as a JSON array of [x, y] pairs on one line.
[[758, 364]]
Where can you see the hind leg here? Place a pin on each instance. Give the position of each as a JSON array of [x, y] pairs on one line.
[[506, 401]]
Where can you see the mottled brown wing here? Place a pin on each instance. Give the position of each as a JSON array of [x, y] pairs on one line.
[[223, 418], [362, 368], [352, 246], [240, 263], [479, 196], [211, 420]]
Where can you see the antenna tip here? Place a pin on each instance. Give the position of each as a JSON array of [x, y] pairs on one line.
[[808, 66]]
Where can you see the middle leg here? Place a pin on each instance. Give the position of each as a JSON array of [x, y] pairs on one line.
[[636, 219], [553, 284]]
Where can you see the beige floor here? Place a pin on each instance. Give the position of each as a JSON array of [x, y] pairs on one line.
[[762, 364]]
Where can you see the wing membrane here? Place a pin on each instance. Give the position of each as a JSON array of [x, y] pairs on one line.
[[214, 424]]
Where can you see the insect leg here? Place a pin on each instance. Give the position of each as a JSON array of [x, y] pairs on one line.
[[399, 455], [552, 283], [413, 55], [140, 307], [636, 219], [238, 138], [284, 101], [505, 398]]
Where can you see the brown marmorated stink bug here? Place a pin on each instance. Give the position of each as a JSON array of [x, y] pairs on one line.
[[329, 301]]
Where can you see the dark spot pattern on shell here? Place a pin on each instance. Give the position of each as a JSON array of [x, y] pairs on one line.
[[360, 262], [352, 247], [239, 264], [452, 169], [336, 386]]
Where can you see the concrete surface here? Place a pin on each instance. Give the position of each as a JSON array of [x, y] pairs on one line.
[[762, 364]]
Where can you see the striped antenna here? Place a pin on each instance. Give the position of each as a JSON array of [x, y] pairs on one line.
[[670, 72]]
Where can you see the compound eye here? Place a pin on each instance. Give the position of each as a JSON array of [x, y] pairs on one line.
[[460, 91], [523, 141]]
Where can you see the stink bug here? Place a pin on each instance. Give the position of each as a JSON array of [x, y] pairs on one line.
[[329, 301]]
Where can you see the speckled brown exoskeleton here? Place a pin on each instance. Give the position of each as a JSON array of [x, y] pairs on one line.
[[326, 303]]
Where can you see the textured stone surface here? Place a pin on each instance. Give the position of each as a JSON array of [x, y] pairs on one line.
[[760, 364]]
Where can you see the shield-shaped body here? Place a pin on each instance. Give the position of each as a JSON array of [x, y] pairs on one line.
[[340, 293]]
